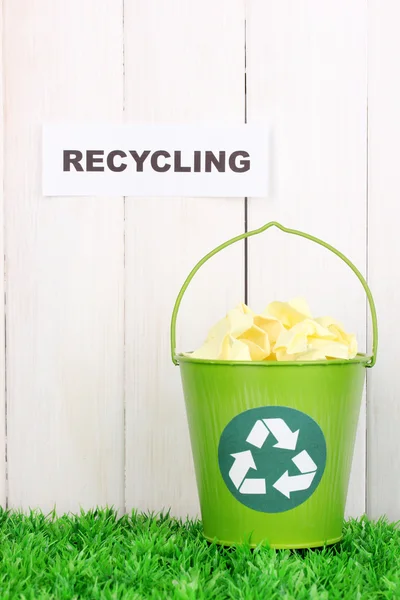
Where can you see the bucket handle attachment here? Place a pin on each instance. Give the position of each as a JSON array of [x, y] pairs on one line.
[[248, 234]]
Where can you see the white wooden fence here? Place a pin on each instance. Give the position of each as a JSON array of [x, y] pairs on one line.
[[91, 407]]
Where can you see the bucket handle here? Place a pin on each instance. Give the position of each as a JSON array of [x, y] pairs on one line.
[[248, 234]]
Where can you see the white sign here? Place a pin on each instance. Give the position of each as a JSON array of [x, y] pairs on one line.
[[155, 160]]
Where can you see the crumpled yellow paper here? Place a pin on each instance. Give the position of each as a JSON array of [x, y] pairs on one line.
[[285, 331]]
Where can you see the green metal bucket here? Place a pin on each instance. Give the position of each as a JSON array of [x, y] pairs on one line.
[[273, 442]]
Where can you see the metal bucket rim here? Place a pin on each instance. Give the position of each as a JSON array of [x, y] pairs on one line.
[[359, 359]]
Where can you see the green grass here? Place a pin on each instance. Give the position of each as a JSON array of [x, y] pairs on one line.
[[96, 555]]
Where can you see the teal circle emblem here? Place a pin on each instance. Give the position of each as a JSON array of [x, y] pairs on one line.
[[272, 458]]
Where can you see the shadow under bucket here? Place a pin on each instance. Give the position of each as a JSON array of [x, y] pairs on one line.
[[273, 442]]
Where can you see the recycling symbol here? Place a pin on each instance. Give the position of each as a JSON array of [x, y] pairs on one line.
[[272, 458]]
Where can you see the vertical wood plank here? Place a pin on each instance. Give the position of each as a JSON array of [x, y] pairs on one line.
[[306, 77], [2, 307], [64, 61], [383, 256], [184, 63]]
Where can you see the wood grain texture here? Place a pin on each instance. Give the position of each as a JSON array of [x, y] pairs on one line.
[[75, 266], [64, 61], [383, 256], [184, 62], [306, 77], [2, 306]]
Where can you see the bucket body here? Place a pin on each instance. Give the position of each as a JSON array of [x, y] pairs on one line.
[[273, 442], [219, 399]]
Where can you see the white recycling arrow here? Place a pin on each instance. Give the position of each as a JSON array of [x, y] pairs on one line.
[[304, 462], [286, 438], [244, 461], [253, 486], [258, 434], [295, 483]]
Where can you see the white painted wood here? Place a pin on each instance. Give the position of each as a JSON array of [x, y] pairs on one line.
[[64, 60], [306, 76], [2, 338], [184, 62], [384, 256]]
